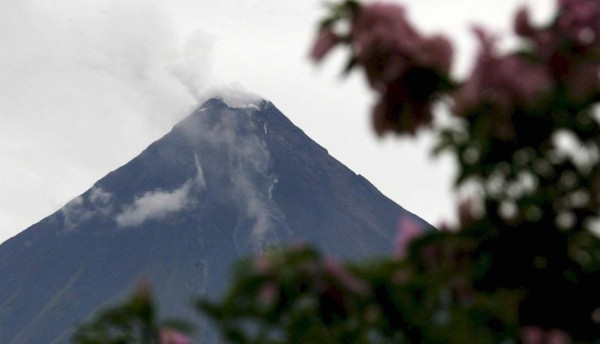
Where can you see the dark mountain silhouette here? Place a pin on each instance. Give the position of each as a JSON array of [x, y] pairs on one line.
[[224, 183]]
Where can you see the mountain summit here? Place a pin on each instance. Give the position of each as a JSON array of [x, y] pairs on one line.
[[226, 182]]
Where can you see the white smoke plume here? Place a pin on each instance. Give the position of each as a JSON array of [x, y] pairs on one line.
[[190, 65], [234, 95]]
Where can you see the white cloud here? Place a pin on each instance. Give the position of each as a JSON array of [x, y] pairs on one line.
[[158, 204], [155, 205], [81, 209], [73, 212], [99, 196]]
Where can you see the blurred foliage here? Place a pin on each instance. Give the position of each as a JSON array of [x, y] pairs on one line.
[[132, 321]]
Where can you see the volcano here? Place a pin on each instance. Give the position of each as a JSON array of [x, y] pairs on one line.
[[224, 183]]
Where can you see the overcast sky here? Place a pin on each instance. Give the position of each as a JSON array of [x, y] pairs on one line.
[[85, 86]]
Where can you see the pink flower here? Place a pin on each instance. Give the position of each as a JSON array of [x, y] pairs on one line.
[[383, 40], [569, 46], [532, 335], [262, 265], [171, 336], [268, 293], [583, 81], [537, 335], [502, 85], [398, 110], [404, 67], [522, 23], [345, 278], [143, 290], [387, 45], [577, 24], [408, 231], [405, 102], [579, 21], [467, 212], [436, 53], [325, 42]]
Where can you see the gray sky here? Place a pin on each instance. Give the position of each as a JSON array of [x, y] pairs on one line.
[[85, 86]]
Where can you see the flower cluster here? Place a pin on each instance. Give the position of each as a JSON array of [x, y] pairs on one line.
[[406, 68], [569, 47], [172, 336], [313, 296], [501, 86], [535, 203], [132, 321], [536, 335]]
